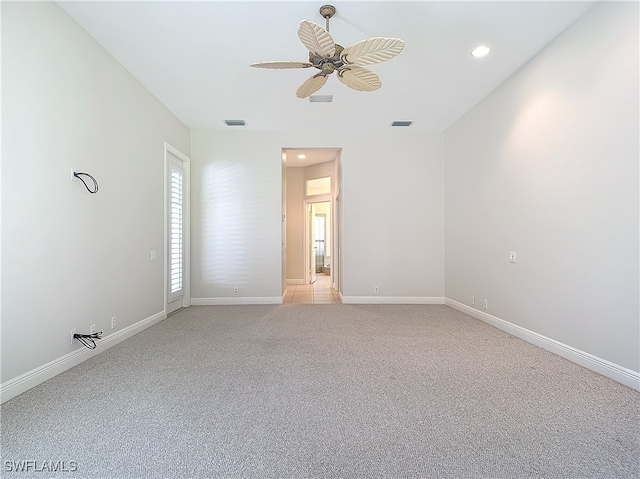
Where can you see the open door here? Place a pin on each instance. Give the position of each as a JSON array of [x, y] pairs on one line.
[[311, 241], [318, 239]]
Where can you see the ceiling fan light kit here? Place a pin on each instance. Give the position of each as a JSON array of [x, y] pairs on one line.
[[321, 98], [328, 57]]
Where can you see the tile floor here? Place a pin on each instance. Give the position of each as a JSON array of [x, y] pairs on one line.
[[319, 292]]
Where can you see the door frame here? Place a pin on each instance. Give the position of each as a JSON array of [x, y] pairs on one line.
[[337, 216], [169, 151], [307, 228]]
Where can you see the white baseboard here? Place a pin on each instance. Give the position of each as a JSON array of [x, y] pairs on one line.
[[232, 300], [26, 381], [296, 281], [611, 370], [391, 300]]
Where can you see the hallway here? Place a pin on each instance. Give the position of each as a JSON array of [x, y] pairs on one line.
[[319, 292]]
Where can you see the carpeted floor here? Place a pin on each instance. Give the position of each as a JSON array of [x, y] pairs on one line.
[[324, 391]]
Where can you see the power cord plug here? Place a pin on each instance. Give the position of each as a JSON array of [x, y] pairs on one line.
[[87, 340]]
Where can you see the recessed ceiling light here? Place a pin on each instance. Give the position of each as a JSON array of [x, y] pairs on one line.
[[480, 51], [302, 157], [401, 123], [235, 122]]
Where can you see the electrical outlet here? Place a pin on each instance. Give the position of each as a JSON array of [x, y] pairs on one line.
[[113, 322], [486, 304], [376, 290], [236, 290], [92, 329], [73, 171], [73, 331]]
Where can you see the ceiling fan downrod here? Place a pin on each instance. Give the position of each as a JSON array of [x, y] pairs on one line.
[[327, 11]]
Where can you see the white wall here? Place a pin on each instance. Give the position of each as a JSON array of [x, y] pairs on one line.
[[236, 213], [236, 193], [393, 216], [547, 166], [71, 259]]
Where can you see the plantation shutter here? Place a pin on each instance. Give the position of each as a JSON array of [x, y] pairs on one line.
[[176, 232]]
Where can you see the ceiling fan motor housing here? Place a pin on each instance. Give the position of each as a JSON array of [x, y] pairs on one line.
[[328, 65]]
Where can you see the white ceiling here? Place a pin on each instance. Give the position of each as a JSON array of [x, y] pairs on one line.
[[194, 57]]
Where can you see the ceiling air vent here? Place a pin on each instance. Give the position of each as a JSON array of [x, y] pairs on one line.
[[235, 122], [401, 123], [321, 98]]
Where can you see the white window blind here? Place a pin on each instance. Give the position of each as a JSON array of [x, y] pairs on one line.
[[176, 232]]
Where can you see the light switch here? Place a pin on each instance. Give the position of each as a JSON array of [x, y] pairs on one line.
[[153, 256], [512, 256]]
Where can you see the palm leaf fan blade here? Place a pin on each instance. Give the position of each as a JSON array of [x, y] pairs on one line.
[[372, 50], [361, 79], [316, 39], [311, 86], [281, 65]]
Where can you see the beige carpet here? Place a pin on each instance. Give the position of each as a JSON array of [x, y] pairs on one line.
[[325, 391]]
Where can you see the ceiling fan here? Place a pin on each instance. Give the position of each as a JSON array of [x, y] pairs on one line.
[[328, 57]]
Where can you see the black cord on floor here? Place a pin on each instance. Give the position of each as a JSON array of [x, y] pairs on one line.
[[88, 339], [95, 183]]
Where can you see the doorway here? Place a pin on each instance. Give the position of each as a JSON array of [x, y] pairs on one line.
[[318, 240], [177, 212], [311, 218]]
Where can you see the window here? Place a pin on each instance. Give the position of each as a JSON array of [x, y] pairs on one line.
[[319, 186]]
